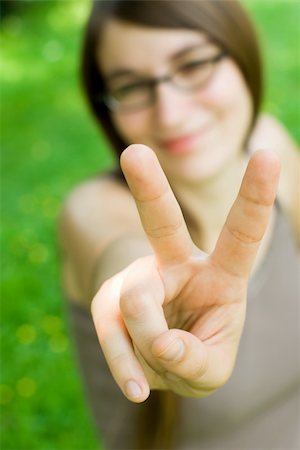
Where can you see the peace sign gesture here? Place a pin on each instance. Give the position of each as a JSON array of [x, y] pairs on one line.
[[173, 320]]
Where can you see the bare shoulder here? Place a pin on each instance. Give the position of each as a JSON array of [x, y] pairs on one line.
[[98, 201], [94, 214], [270, 133]]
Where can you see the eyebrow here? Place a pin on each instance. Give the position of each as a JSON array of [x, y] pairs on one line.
[[123, 72]]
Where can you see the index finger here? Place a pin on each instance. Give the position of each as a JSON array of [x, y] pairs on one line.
[[249, 216], [158, 208]]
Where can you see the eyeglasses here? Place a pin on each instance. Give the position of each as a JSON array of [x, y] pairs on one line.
[[135, 95]]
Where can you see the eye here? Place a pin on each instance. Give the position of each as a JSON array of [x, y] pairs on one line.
[[129, 89], [193, 73], [192, 66]]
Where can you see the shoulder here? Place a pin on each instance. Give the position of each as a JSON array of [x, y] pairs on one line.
[[97, 201], [272, 134], [95, 190], [95, 214]]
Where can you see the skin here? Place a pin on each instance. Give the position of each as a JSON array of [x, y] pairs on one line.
[[183, 340], [169, 315], [226, 112]]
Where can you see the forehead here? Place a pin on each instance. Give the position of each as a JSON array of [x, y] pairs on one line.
[[129, 45]]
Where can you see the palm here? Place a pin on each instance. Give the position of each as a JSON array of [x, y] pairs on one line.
[[213, 318], [176, 296]]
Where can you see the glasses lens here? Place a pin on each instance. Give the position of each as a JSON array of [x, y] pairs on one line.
[[131, 96], [193, 74]]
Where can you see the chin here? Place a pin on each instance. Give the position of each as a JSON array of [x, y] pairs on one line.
[[194, 174], [200, 169]]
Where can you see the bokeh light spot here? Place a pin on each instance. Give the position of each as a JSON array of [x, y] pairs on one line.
[[38, 254], [53, 51], [52, 324], [79, 11], [50, 206], [26, 334], [21, 244], [26, 387], [58, 343]]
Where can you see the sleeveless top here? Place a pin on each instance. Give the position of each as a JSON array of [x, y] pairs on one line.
[[259, 407]]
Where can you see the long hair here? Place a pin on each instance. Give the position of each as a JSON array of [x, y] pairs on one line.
[[227, 25]]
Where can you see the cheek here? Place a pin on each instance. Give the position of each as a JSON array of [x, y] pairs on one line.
[[131, 126], [229, 98]]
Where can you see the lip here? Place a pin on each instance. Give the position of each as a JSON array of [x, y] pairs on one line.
[[184, 143]]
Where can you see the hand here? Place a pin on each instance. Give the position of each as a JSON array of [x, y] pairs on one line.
[[173, 320]]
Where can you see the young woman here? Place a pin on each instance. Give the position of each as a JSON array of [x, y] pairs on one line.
[[165, 257]]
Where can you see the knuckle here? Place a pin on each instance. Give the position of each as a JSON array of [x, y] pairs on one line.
[[164, 230], [133, 304], [118, 360], [197, 371], [241, 236], [257, 199]]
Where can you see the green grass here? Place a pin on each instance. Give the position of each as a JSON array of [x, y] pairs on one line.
[[278, 25], [49, 144]]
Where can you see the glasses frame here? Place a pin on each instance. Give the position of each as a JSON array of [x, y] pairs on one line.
[[114, 105]]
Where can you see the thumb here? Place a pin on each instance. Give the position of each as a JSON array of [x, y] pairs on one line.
[[183, 355]]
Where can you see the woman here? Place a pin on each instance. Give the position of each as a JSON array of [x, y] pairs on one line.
[[184, 79]]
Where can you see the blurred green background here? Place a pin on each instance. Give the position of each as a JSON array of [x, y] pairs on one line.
[[49, 144]]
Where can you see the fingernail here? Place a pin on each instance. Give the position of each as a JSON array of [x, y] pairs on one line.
[[132, 389], [174, 351]]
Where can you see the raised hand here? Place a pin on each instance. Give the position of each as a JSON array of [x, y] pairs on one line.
[[173, 320]]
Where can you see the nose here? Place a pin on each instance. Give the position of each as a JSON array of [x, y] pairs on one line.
[[172, 105]]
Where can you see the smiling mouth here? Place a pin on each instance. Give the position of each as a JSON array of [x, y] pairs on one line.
[[184, 144]]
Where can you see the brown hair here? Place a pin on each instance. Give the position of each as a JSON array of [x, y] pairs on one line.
[[228, 25]]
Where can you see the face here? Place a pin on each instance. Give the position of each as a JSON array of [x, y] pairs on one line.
[[194, 133]]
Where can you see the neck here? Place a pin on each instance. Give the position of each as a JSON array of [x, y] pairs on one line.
[[206, 203]]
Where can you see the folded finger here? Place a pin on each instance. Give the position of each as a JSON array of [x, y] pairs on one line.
[[141, 307]]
